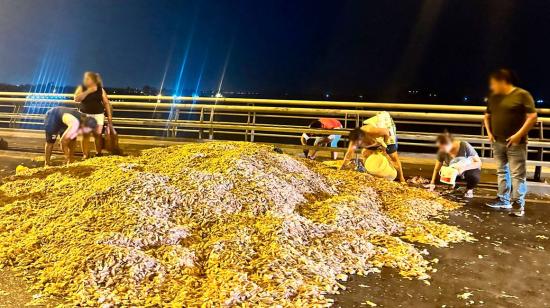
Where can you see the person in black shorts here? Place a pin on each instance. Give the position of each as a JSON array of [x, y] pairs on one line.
[[67, 123]]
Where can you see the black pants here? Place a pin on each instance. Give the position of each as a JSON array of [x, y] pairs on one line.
[[472, 178]]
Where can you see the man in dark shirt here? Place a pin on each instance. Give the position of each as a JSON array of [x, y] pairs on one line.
[[510, 115]]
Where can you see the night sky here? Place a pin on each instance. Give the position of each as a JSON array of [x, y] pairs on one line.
[[301, 47]]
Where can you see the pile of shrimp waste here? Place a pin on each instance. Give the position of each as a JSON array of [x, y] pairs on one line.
[[211, 224]]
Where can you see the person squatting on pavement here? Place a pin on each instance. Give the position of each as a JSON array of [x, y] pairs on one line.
[[460, 155]]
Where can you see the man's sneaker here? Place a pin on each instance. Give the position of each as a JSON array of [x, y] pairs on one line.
[[499, 205], [518, 212], [461, 190], [469, 194]]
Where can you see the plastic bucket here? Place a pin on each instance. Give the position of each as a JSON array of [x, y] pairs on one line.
[[379, 166], [448, 175]]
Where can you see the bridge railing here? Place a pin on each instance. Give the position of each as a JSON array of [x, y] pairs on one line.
[[271, 120]]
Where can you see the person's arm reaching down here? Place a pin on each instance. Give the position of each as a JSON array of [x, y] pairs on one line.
[[108, 107], [319, 141], [437, 167], [48, 147], [349, 155], [303, 139], [68, 137], [530, 121], [487, 122]]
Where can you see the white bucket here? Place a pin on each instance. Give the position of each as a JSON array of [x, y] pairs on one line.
[[448, 175], [378, 165]]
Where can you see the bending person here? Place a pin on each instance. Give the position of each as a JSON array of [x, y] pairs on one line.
[[360, 139], [378, 132], [94, 103], [383, 129], [461, 156], [67, 123], [313, 140]]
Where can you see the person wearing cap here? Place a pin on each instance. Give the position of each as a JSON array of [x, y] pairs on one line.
[[318, 140]]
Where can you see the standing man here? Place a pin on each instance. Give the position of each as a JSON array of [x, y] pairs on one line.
[[313, 140], [510, 115]]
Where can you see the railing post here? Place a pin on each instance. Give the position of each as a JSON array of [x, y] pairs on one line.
[[201, 122], [538, 169], [253, 124], [12, 117], [175, 123], [247, 123], [211, 131], [167, 127], [482, 136], [346, 120]]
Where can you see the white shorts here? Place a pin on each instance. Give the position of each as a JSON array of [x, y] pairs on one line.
[[100, 118]]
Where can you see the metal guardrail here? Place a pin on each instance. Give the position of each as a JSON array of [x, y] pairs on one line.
[[265, 119], [286, 102]]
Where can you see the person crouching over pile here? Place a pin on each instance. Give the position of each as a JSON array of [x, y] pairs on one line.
[[313, 140], [378, 132], [461, 156], [68, 124]]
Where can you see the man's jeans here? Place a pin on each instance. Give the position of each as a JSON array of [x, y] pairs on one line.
[[511, 171]]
